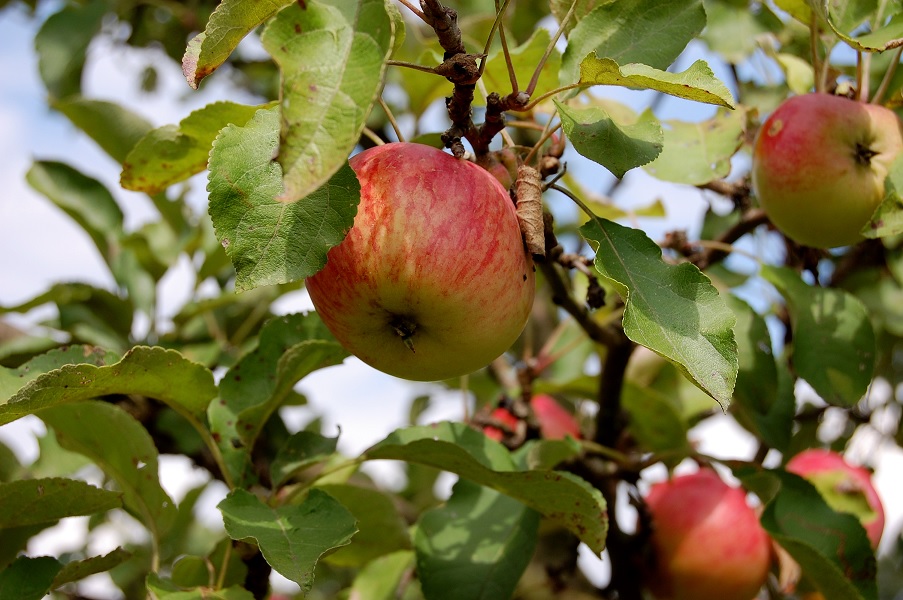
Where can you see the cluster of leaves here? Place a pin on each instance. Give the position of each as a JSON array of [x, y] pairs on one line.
[[209, 385]]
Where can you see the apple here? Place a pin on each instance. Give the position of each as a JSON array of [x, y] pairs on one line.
[[504, 416], [555, 423], [819, 164], [432, 281], [707, 541], [845, 488]]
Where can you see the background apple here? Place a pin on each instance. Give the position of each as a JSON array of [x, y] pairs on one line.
[[432, 280], [555, 422], [708, 543], [846, 488], [819, 165], [504, 416]]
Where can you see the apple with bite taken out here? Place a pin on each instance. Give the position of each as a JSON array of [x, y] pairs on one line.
[[819, 165], [433, 280]]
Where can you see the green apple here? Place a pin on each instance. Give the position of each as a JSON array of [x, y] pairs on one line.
[[433, 280], [707, 541], [819, 165]]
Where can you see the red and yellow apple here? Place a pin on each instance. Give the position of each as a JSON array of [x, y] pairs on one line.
[[707, 541], [819, 166], [504, 417], [432, 281], [845, 488], [555, 422]]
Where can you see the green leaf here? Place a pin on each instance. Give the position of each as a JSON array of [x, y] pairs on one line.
[[833, 340], [481, 532], [832, 548], [157, 373], [125, 451], [90, 314], [115, 128], [381, 529], [12, 380], [525, 58], [733, 30], [289, 348], [763, 397], [655, 421], [10, 467], [697, 83], [651, 32], [382, 578], [228, 25], [618, 147], [332, 64], [173, 153], [35, 501], [303, 449], [28, 578], [291, 538], [79, 569], [697, 153], [562, 497], [267, 240], [15, 540], [671, 309], [161, 589], [87, 201], [62, 46], [888, 217], [560, 9]]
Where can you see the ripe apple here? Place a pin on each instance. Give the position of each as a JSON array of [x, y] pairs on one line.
[[504, 416], [707, 541], [845, 488], [432, 281], [819, 165], [555, 423]]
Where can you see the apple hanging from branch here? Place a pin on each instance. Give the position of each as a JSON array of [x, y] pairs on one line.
[[707, 541], [433, 280], [819, 165]]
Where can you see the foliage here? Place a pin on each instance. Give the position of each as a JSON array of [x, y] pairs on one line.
[[644, 340]]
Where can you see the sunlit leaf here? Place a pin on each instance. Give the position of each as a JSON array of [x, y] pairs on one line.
[[157, 373], [332, 64], [34, 501], [292, 538], [651, 32], [381, 578], [478, 531], [673, 310], [888, 217], [174, 153], [267, 240], [697, 83], [162, 589], [700, 152], [11, 380], [563, 498], [618, 147], [228, 25]]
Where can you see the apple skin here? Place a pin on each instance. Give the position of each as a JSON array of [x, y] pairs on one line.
[[835, 478], [502, 415], [555, 422], [819, 165], [432, 281], [707, 541]]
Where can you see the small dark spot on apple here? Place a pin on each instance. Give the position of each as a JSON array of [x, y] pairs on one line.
[[525, 276]]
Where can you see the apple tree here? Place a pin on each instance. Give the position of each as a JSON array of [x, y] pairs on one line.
[[589, 219]]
